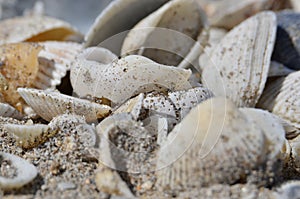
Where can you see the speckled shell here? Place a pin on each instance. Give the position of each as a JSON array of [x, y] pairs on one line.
[[26, 172], [54, 62], [35, 28], [282, 97], [153, 37], [49, 104], [8, 111], [30, 136], [287, 46], [238, 66], [120, 16], [214, 143], [126, 77]]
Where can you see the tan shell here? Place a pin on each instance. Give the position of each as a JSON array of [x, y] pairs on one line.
[[124, 78], [8, 111], [238, 66], [282, 97], [25, 172], [214, 143], [34, 29], [54, 62], [48, 104], [120, 16], [153, 37], [30, 136]]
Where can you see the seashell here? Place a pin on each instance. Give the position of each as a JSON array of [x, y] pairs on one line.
[[8, 111], [35, 28], [124, 78], [54, 62], [216, 35], [240, 73], [219, 147], [49, 104], [133, 106], [153, 37], [18, 69], [287, 46], [281, 97], [278, 69], [119, 16], [295, 152], [30, 136], [24, 171], [229, 13]]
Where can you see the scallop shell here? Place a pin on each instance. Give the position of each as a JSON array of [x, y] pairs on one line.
[[282, 98], [25, 172], [8, 111], [35, 28], [30, 136], [287, 46], [179, 20], [214, 143], [239, 65], [119, 16], [49, 104], [277, 69], [124, 78]]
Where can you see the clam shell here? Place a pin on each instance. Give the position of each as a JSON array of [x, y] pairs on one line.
[[214, 143], [282, 98], [155, 35], [277, 69], [54, 62], [30, 136], [35, 28], [25, 172], [119, 16], [240, 73], [49, 104], [8, 111], [287, 46], [126, 77]]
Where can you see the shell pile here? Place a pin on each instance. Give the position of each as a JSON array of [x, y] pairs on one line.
[[159, 99]]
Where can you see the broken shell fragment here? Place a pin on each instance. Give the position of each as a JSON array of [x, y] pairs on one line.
[[34, 29], [8, 111], [153, 37], [23, 174], [214, 143], [30, 136], [120, 16], [126, 77], [49, 104], [238, 66]]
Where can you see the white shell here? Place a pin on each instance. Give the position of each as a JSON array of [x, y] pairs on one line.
[[34, 28], [54, 61], [29, 136], [214, 143], [133, 106], [239, 65], [278, 69], [124, 78], [282, 97], [50, 104], [26, 172], [119, 16], [8, 111], [179, 20]]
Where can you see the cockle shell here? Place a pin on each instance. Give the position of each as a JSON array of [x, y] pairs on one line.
[[121, 15], [54, 61], [153, 37], [49, 104], [214, 143], [282, 98], [30, 136], [126, 77], [8, 111], [287, 46], [34, 29], [25, 172], [238, 66], [18, 69]]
